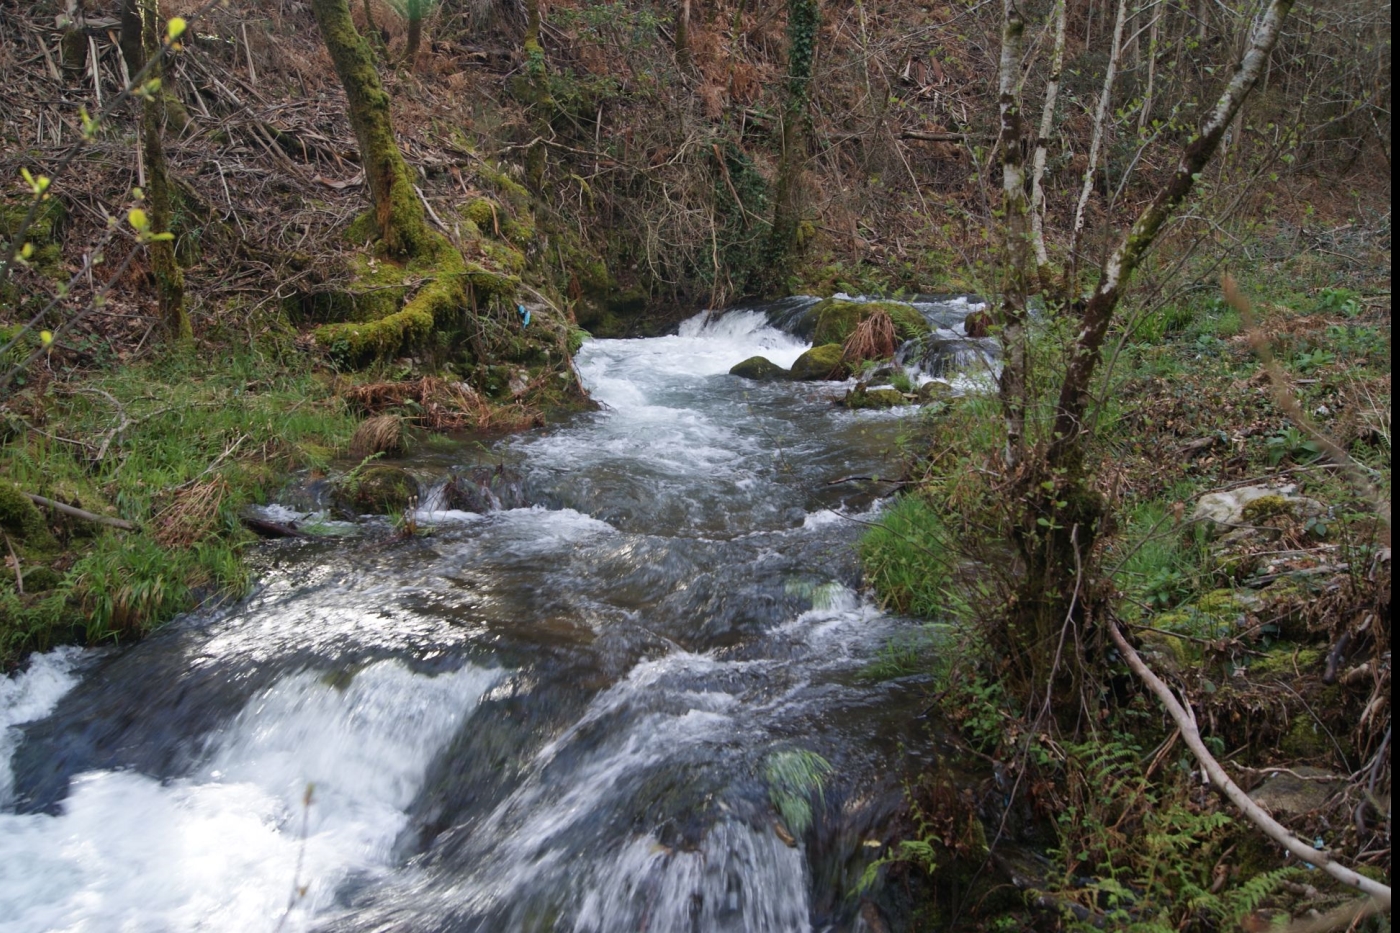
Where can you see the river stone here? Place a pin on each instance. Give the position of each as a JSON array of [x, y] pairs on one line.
[[879, 397], [935, 391], [832, 320], [378, 490], [1236, 512], [821, 363], [485, 489], [760, 369], [1290, 795]]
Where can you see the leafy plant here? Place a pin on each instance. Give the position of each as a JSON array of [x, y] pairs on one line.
[[794, 778], [1292, 444]]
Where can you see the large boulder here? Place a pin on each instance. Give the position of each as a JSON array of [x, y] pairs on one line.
[[821, 363], [377, 490], [1236, 513], [759, 369], [832, 320]]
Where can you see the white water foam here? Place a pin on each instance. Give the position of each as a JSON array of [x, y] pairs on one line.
[[30, 695], [223, 849]]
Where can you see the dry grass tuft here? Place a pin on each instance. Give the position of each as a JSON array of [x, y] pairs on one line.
[[873, 339], [192, 515], [437, 404], [380, 434]]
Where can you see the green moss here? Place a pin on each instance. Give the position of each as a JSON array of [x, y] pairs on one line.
[[45, 233], [21, 520], [1266, 507], [759, 368], [823, 362], [483, 213], [1286, 661], [881, 397], [379, 489], [1211, 615], [833, 320]]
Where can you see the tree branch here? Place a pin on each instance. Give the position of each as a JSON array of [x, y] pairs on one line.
[[1257, 814]]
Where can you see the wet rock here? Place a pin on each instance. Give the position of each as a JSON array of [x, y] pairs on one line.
[[377, 490], [821, 363], [759, 369], [978, 324], [1236, 513], [1304, 790], [832, 320], [935, 392], [878, 397], [486, 489]]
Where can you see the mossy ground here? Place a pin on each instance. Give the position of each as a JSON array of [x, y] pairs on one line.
[[176, 448]]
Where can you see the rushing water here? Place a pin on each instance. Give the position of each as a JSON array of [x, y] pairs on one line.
[[550, 718]]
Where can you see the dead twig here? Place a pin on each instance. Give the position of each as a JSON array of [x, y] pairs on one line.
[[1379, 893], [81, 513]]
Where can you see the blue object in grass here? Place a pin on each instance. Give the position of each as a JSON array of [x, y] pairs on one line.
[[524, 315]]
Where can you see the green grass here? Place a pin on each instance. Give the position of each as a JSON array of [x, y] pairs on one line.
[[184, 444], [906, 558]]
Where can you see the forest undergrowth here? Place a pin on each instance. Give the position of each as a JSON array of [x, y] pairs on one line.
[[1093, 812]]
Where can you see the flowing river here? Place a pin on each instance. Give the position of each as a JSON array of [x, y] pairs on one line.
[[562, 717]]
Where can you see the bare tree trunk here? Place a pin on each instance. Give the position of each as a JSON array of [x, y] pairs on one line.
[[1146, 115], [170, 280], [683, 58], [1042, 142], [73, 47], [1059, 509], [417, 9], [1115, 53], [1013, 379], [398, 214]]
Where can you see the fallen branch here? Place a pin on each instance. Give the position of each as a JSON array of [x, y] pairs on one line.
[[81, 513], [1186, 722]]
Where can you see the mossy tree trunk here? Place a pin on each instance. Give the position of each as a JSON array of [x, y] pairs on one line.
[[539, 101], [415, 11], [804, 18], [399, 217], [170, 280], [1058, 509]]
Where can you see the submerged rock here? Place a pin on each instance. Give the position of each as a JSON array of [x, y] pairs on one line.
[[878, 397], [485, 489], [821, 363], [759, 369]]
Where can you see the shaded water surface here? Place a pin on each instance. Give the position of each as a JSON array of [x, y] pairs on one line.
[[550, 718]]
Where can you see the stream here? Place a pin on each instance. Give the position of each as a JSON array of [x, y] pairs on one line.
[[561, 717]]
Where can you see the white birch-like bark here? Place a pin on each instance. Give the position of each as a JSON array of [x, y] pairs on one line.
[[1115, 54], [1042, 142]]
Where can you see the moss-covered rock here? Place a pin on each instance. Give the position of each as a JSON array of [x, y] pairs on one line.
[[832, 320], [878, 397], [45, 233], [378, 489], [821, 363], [22, 521], [759, 369], [935, 391], [1213, 615]]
